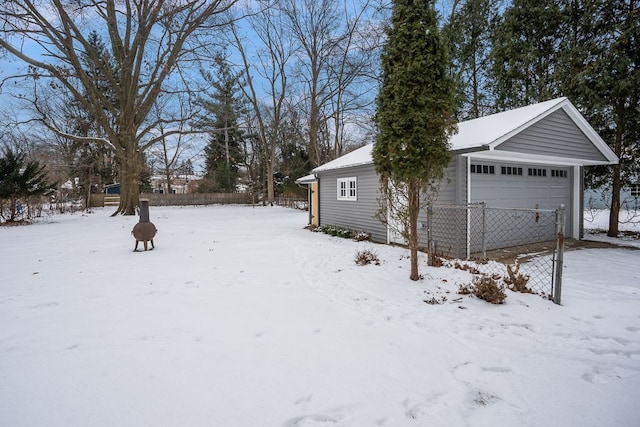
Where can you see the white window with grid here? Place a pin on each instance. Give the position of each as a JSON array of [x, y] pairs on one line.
[[347, 189]]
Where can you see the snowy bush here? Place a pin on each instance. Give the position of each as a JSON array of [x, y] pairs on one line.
[[361, 236], [367, 257], [516, 281], [486, 288]]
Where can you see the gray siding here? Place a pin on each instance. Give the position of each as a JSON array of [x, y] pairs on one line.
[[449, 232], [448, 188], [555, 135], [357, 214]]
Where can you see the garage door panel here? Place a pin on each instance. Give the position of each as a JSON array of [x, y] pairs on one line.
[[521, 191]]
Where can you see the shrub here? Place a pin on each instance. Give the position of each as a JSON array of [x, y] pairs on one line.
[[486, 288], [466, 289], [337, 231], [516, 281], [361, 236], [466, 267], [366, 257], [436, 301]]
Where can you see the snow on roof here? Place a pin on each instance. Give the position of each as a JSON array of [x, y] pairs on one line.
[[496, 127], [488, 131], [361, 156], [307, 179]]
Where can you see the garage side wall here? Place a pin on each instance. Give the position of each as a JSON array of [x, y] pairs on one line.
[[359, 214]]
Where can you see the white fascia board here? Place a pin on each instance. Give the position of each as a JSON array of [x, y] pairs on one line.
[[308, 179], [590, 133], [510, 156]]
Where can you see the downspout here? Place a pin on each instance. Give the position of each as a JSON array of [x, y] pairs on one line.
[[467, 210], [577, 208], [318, 198]]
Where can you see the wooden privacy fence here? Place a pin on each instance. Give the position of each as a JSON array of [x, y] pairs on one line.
[[98, 200]]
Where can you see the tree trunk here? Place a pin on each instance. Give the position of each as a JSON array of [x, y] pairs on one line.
[[168, 176], [129, 162], [270, 184], [414, 208], [616, 187]]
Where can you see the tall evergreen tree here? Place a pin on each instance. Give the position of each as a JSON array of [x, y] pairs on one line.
[[415, 114], [93, 164], [469, 33], [611, 95], [223, 153], [525, 50], [587, 50]]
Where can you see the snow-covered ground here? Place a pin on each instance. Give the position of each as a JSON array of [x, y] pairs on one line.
[[240, 317], [596, 224]]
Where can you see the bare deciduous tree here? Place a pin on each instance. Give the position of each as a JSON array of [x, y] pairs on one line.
[[147, 40], [269, 105], [332, 60]]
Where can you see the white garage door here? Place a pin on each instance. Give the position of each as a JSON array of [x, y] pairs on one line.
[[522, 186]]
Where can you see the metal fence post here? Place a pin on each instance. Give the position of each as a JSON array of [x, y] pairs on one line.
[[484, 231], [559, 261], [429, 235]]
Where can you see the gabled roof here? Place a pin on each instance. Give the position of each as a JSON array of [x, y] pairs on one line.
[[486, 133]]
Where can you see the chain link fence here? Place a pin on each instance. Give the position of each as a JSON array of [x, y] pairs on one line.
[[524, 245]]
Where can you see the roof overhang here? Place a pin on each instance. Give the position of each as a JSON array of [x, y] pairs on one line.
[[534, 159], [307, 179]]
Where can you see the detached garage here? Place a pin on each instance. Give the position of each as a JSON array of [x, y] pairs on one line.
[[530, 157]]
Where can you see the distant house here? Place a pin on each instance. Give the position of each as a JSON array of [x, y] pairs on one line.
[[112, 188], [181, 184], [530, 157], [601, 198]]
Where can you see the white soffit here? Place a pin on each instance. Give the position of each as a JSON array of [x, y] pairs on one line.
[[532, 159]]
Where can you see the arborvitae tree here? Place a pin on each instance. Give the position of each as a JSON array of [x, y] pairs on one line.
[[415, 115], [20, 178]]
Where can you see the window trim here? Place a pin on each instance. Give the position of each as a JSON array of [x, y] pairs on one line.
[[350, 188]]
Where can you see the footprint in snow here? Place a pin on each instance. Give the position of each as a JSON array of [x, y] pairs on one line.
[[312, 421], [45, 305], [333, 417], [423, 408], [606, 374]]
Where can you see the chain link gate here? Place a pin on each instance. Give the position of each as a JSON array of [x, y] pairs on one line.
[[502, 242]]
